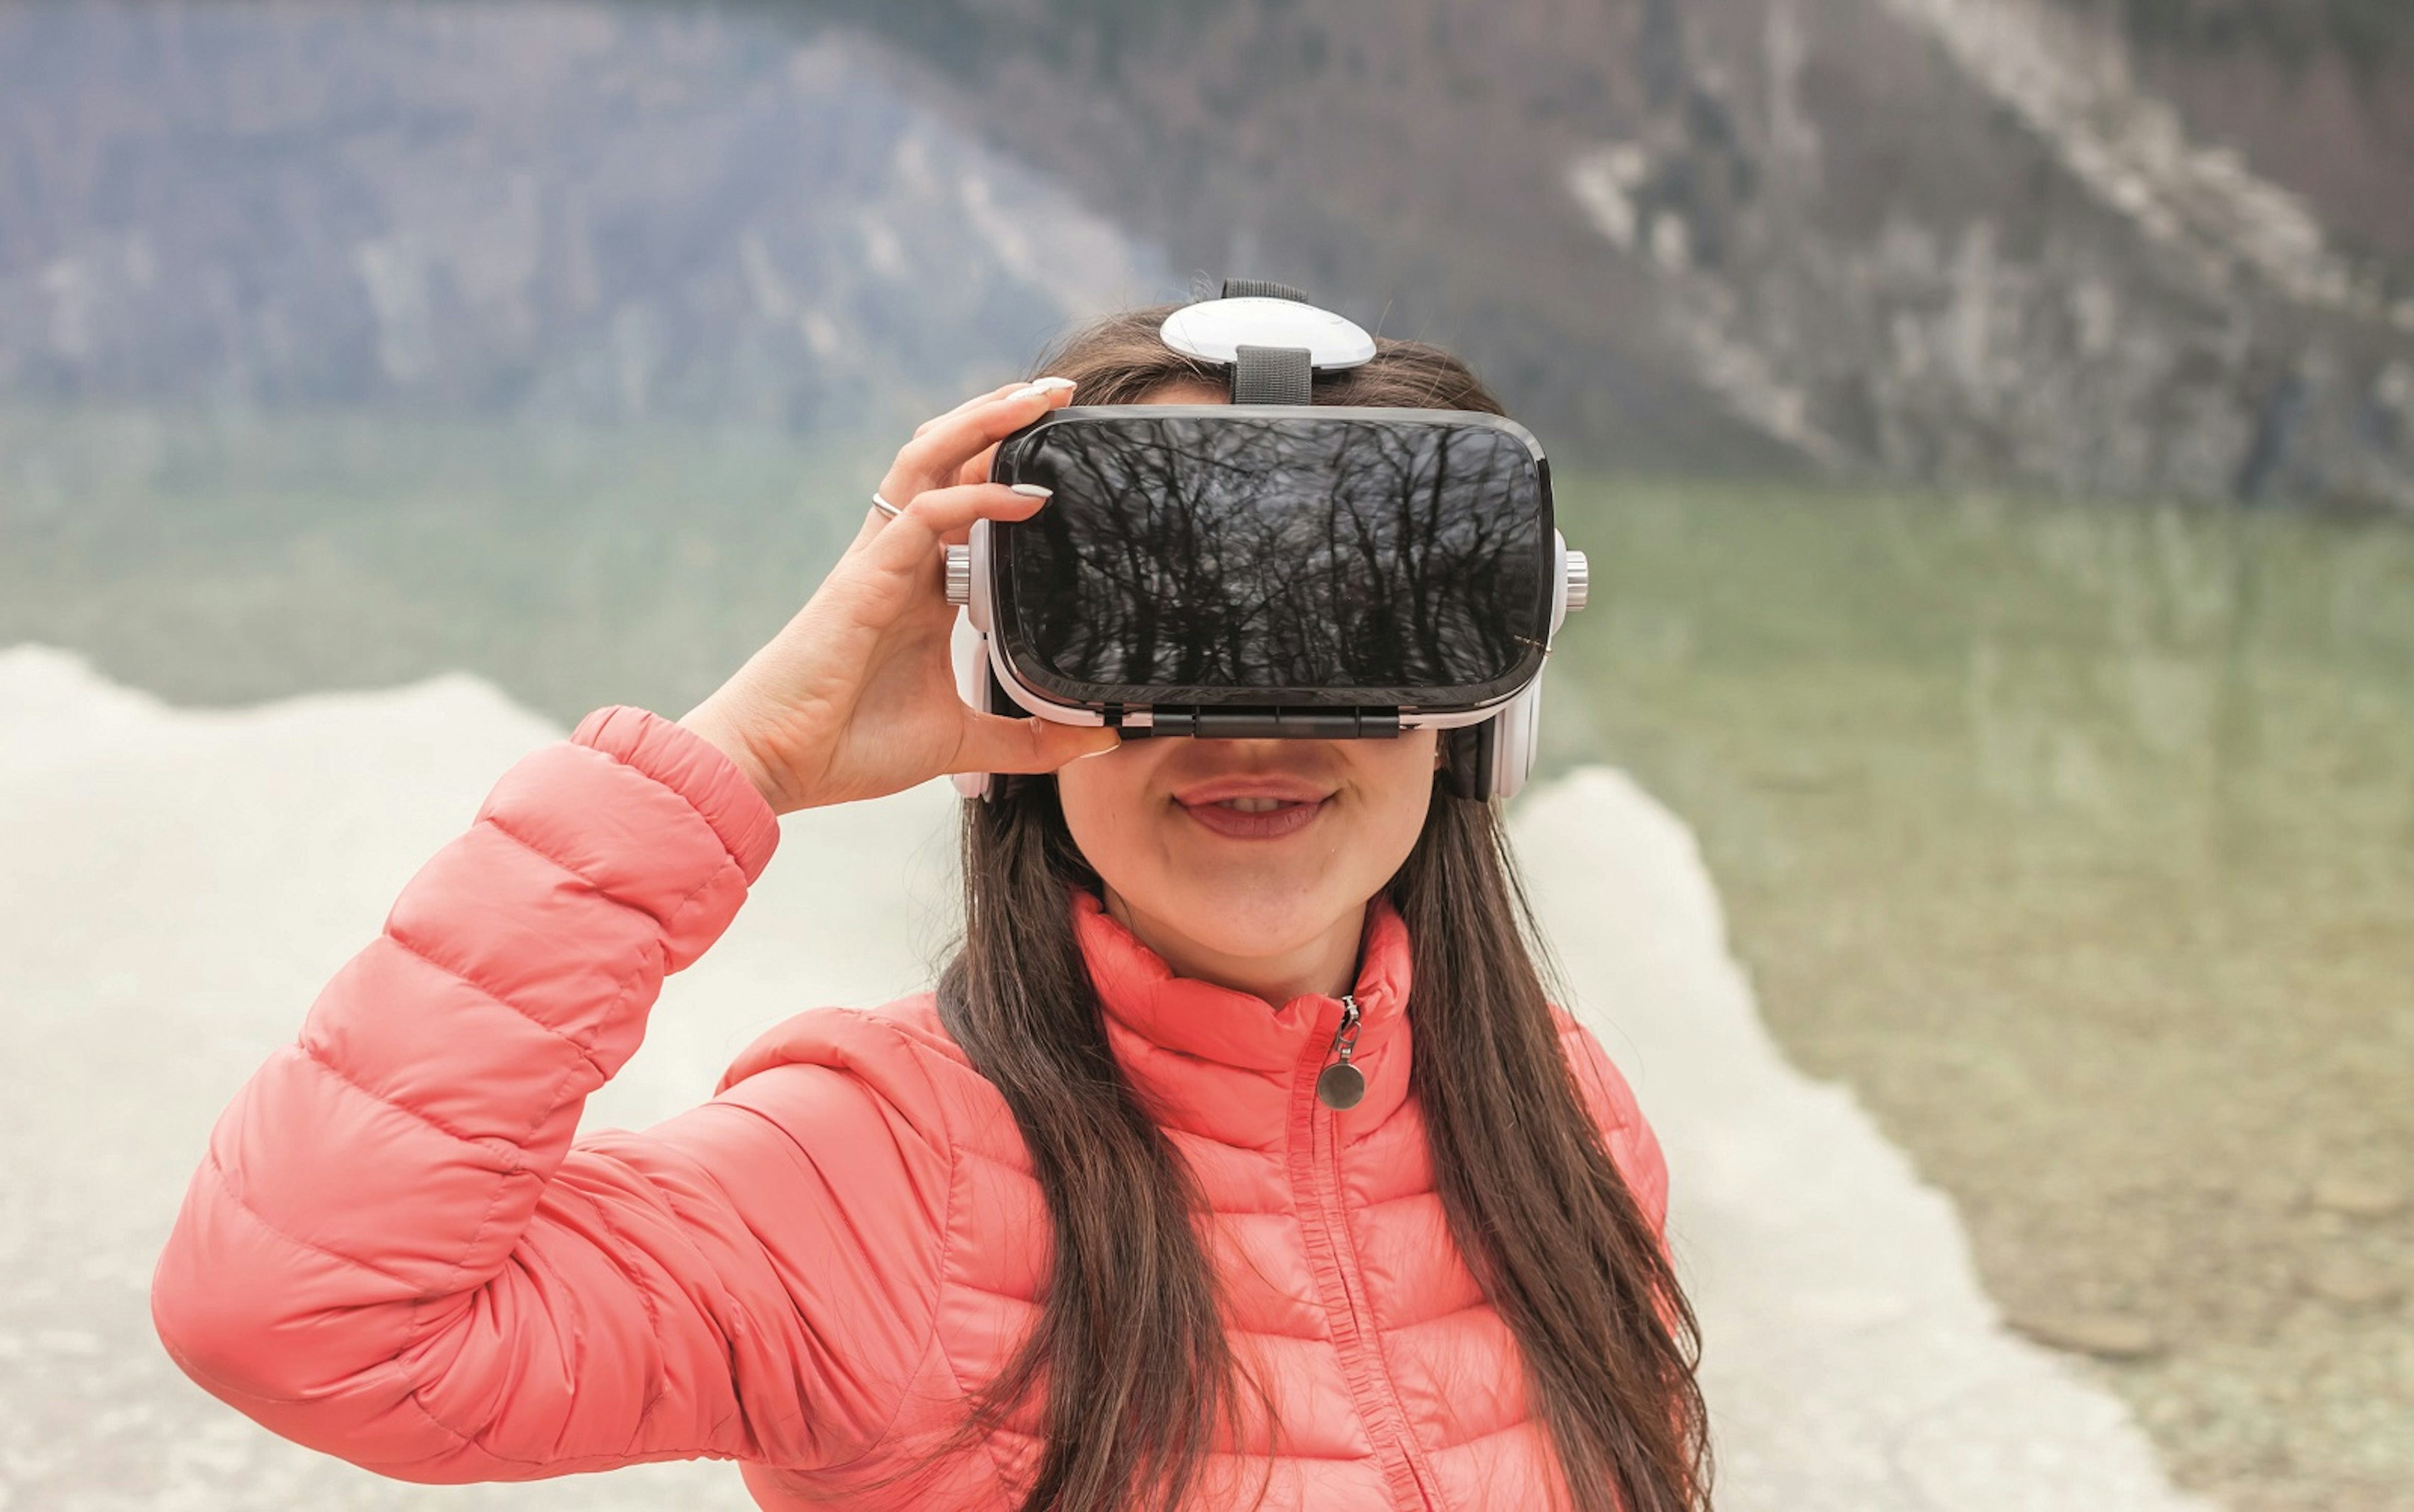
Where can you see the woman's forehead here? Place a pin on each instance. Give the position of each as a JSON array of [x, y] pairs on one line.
[[1186, 391]]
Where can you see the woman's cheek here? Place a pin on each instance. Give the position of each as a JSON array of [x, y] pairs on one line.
[[1102, 797], [1406, 782]]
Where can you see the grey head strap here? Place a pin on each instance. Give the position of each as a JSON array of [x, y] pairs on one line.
[[1269, 374], [1273, 375]]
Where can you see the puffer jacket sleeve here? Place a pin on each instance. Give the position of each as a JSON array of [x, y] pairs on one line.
[[396, 1251]]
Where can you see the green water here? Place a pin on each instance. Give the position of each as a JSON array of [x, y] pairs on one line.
[[227, 562], [2079, 842]]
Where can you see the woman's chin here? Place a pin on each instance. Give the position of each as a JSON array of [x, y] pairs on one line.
[[1257, 920]]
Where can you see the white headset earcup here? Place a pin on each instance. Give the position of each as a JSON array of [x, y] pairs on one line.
[[968, 650], [1508, 742], [1514, 734]]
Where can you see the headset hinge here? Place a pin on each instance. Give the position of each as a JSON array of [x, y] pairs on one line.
[[1275, 723]]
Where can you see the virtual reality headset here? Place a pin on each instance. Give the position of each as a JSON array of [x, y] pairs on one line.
[[1272, 568]]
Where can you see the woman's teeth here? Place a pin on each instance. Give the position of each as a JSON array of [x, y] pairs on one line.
[[1255, 816]]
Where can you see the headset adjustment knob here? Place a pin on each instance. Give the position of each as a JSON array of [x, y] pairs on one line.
[[1579, 580], [960, 575]]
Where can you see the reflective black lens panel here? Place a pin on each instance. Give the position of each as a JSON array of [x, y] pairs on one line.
[[1216, 555]]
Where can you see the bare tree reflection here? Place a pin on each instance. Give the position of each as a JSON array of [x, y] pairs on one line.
[[1179, 551]]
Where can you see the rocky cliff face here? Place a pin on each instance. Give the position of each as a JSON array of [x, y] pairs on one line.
[[2005, 242], [1948, 241]]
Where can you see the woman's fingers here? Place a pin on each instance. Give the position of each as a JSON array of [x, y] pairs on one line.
[[953, 439], [942, 517], [994, 742], [956, 448], [935, 458], [976, 471]]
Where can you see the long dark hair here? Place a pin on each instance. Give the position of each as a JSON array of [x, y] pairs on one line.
[[1130, 1345]]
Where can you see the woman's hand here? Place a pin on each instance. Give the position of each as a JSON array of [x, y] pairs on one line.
[[856, 696]]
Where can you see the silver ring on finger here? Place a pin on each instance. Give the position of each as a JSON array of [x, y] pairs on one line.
[[886, 508]]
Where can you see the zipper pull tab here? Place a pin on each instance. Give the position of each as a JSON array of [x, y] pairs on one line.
[[1341, 1085]]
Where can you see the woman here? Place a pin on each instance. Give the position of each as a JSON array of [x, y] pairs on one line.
[[1071, 1232]]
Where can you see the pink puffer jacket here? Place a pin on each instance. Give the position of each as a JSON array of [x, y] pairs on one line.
[[396, 1252]]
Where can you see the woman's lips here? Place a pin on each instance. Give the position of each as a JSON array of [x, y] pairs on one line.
[[1256, 818], [1254, 805]]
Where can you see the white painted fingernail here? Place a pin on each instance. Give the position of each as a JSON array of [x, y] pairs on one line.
[[1032, 490], [1028, 391], [1051, 383]]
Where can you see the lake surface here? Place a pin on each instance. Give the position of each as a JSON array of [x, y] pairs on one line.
[[2079, 842]]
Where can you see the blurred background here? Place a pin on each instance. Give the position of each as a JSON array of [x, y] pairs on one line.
[[1991, 423]]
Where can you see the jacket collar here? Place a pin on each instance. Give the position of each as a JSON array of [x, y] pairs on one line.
[[1220, 1064]]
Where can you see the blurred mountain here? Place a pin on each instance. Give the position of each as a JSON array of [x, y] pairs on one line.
[[2117, 247], [595, 211], [2106, 247]]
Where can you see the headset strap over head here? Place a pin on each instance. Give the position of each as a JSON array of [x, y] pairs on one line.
[[1269, 374], [1274, 340]]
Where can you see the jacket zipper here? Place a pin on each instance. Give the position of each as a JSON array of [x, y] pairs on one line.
[[1377, 1400], [1340, 1085]]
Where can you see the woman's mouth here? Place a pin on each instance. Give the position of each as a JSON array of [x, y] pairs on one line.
[[1252, 815]]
